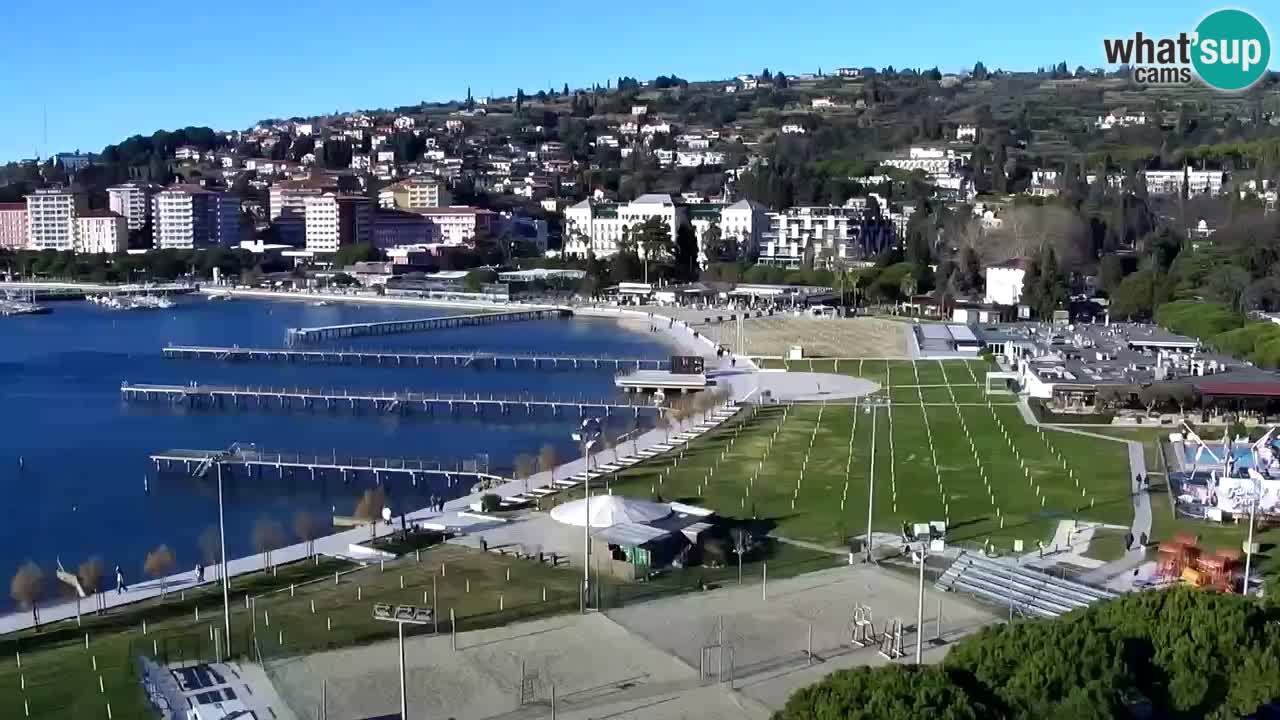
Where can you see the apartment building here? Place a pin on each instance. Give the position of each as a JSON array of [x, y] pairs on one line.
[[102, 231], [598, 228], [13, 225], [289, 197], [51, 219], [824, 234], [416, 193], [395, 228], [132, 201], [189, 216], [333, 221], [459, 224]]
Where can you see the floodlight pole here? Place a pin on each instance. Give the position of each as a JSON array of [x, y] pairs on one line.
[[222, 540], [1248, 552], [871, 483], [920, 610], [404, 698], [586, 525]]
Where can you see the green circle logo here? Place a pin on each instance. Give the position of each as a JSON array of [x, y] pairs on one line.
[[1232, 50]]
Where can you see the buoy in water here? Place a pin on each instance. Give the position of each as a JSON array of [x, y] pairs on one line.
[[146, 484]]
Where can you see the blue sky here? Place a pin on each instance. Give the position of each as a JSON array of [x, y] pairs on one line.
[[109, 70]]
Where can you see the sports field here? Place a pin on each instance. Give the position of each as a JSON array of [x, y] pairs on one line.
[[929, 442]]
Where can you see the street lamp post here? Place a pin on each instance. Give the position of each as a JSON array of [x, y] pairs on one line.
[[871, 482], [920, 606], [588, 434], [222, 552], [1248, 550]]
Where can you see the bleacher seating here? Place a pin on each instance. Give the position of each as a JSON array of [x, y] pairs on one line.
[[1030, 591]]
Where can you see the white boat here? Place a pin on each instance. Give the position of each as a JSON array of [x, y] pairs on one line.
[[321, 303]]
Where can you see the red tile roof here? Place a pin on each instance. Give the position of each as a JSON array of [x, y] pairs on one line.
[[13, 206], [1242, 389]]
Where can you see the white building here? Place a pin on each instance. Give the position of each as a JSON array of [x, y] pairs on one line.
[[607, 141], [1004, 282], [656, 129], [967, 132], [698, 158], [823, 103], [334, 220], [459, 224], [1198, 182], [187, 152], [51, 219], [132, 201], [743, 222], [933, 161], [102, 231], [826, 232], [1120, 118], [599, 227], [846, 72], [639, 110], [188, 216], [792, 129], [404, 122]]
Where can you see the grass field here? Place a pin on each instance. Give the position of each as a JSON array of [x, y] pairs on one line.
[[59, 676], [937, 451]]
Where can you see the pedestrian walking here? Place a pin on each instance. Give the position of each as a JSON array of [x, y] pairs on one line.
[[199, 573], [120, 586]]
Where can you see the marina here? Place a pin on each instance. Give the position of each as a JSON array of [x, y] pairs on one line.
[[394, 358], [379, 402], [395, 327]]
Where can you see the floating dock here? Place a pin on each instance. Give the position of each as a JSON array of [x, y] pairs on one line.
[[661, 380], [197, 463], [380, 402], [391, 358], [395, 327]]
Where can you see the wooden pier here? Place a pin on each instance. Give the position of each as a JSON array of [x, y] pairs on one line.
[[395, 327], [376, 401], [197, 463], [393, 358]]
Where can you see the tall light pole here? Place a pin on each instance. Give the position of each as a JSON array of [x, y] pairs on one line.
[[871, 482], [920, 606], [588, 433], [403, 615], [222, 541], [1248, 551]]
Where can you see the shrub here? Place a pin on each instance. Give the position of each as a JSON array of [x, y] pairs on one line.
[[490, 502]]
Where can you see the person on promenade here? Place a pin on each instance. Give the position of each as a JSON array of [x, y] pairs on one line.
[[120, 586], [199, 573]]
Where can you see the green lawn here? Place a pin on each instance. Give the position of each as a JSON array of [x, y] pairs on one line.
[[832, 479], [58, 671]]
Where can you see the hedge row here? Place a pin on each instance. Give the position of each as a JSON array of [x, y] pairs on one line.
[[1224, 330]]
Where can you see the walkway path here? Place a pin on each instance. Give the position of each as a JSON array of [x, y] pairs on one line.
[[1141, 525]]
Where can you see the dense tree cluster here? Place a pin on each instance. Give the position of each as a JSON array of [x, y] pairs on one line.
[[1176, 654]]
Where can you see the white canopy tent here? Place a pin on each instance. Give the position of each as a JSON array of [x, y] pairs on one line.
[[609, 510]]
